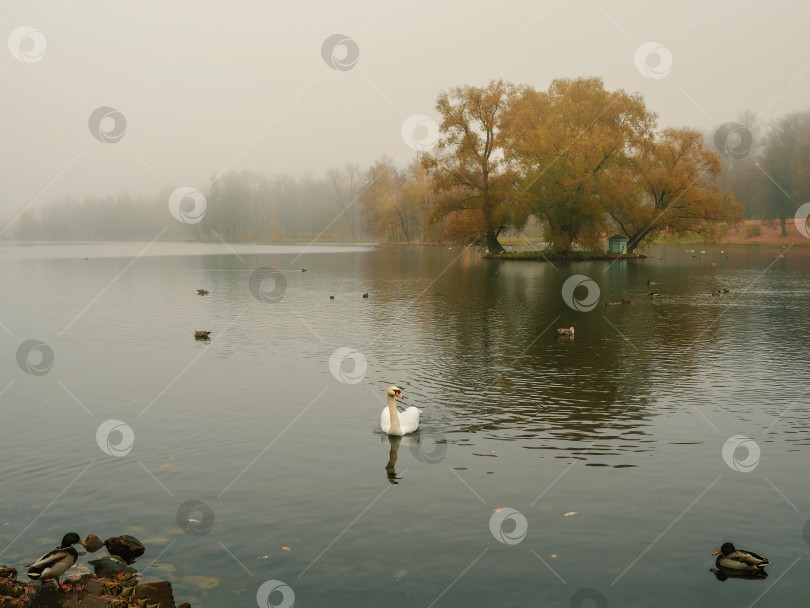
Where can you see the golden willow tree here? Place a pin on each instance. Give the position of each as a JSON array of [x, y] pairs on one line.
[[669, 187], [571, 144], [592, 163], [476, 190]]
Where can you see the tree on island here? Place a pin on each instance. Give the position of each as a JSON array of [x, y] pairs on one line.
[[475, 188], [669, 187], [571, 143]]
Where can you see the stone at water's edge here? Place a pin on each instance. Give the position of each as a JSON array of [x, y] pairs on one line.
[[89, 591], [125, 546], [160, 593], [93, 543], [109, 567], [8, 572]]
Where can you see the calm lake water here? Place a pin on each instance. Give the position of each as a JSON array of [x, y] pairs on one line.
[[248, 459]]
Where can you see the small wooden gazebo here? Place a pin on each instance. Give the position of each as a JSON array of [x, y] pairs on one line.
[[617, 244]]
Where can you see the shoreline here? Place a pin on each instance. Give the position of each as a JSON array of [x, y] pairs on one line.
[[574, 256]]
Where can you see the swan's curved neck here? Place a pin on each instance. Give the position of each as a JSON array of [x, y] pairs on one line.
[[393, 413]]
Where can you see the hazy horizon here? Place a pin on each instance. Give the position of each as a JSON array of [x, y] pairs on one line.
[[210, 87]]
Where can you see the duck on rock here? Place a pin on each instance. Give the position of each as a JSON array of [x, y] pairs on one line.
[[53, 564]]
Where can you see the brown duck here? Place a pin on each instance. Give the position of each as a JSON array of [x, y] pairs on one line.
[[732, 558]]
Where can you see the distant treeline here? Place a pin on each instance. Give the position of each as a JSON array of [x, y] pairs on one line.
[[767, 166], [577, 160], [384, 202]]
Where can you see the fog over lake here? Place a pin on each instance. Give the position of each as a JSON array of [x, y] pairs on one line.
[[402, 304]]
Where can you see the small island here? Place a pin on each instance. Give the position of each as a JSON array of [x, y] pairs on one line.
[[576, 256], [617, 250]]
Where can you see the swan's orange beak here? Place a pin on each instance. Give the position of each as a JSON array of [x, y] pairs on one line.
[[398, 394]]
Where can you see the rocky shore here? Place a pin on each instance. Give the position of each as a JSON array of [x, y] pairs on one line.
[[114, 584]]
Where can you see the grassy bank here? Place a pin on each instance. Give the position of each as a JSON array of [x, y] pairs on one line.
[[749, 232]]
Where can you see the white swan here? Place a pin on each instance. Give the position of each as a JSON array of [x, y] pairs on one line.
[[394, 422]]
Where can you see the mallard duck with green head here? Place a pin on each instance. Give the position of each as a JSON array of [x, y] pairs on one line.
[[732, 558], [54, 563]]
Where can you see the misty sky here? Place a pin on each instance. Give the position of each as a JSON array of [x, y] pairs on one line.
[[207, 86]]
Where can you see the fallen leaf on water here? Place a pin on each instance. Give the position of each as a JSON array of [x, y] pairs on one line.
[[196, 521], [286, 548], [496, 510], [570, 513], [263, 556], [155, 540], [554, 556], [165, 465], [238, 592], [400, 574]]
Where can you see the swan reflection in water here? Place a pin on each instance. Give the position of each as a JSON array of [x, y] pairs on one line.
[[392, 460], [429, 449]]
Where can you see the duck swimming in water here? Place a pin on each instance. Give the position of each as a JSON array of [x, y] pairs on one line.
[[739, 559]]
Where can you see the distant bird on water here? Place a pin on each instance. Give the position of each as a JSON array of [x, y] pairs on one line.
[[304, 269], [202, 292], [331, 297], [201, 334], [365, 295], [565, 331]]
